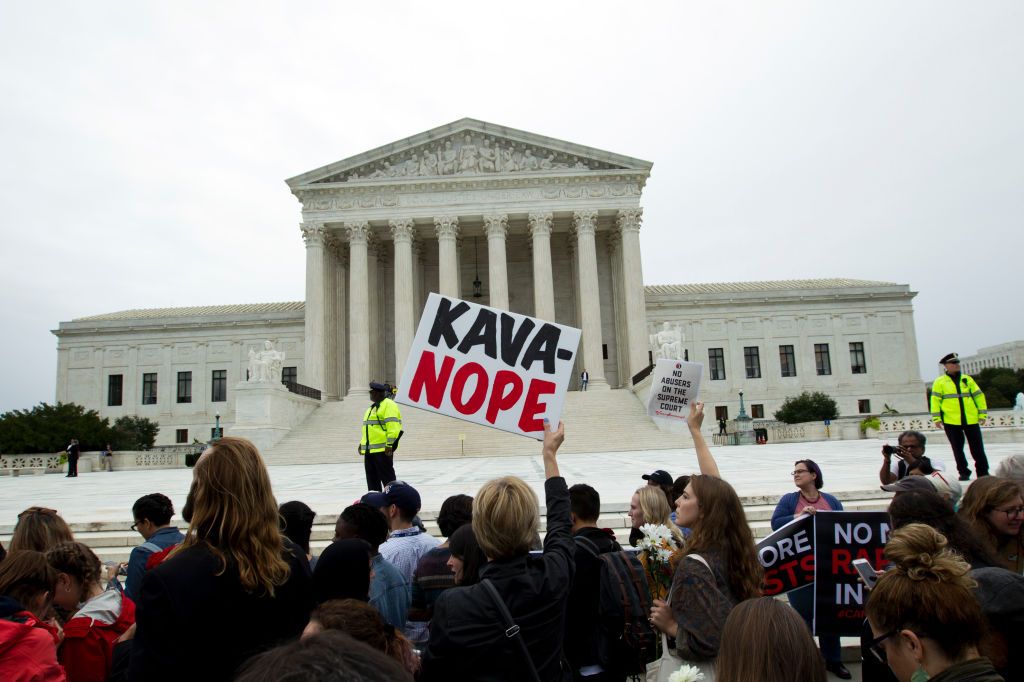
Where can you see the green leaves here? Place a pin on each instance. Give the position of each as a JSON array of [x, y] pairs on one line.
[[49, 428], [807, 407]]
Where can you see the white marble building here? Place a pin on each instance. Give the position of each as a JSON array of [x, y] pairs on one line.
[[517, 221], [1009, 355]]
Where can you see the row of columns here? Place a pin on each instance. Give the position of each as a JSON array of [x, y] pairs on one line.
[[325, 270]]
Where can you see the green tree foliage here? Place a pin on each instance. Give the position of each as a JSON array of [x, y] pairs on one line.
[[807, 407], [49, 428], [134, 433], [1001, 385]]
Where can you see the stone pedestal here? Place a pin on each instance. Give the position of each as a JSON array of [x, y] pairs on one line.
[[265, 412]]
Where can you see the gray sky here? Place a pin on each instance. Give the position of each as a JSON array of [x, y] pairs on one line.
[[144, 146]]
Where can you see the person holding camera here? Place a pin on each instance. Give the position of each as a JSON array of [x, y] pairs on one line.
[[906, 458]]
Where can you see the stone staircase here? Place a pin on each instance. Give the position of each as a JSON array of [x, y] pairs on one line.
[[600, 420], [113, 541]]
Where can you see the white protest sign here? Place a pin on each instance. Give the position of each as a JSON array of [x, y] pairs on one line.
[[674, 383], [489, 366]]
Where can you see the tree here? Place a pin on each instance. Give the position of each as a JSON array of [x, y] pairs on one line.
[[1001, 385], [49, 428], [134, 433], [807, 407]]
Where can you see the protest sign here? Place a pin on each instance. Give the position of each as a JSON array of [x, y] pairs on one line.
[[674, 383], [489, 366], [787, 556], [839, 538]]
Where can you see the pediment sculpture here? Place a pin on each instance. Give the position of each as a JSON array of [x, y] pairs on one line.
[[468, 153]]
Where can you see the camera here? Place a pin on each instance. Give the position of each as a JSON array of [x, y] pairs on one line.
[[891, 450]]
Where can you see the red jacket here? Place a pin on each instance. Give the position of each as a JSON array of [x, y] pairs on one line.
[[89, 636], [28, 651]]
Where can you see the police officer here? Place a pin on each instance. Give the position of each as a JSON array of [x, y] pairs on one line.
[[382, 426], [958, 406]]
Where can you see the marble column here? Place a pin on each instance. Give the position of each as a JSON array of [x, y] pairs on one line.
[[418, 285], [543, 283], [447, 228], [330, 387], [341, 316], [633, 291], [496, 228], [358, 309], [585, 223], [313, 374], [402, 232]]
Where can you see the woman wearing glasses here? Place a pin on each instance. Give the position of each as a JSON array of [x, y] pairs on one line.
[[925, 621], [994, 508], [808, 499]]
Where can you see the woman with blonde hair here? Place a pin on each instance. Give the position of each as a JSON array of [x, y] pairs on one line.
[[39, 528], [995, 510], [511, 624], [765, 640], [649, 507], [719, 567], [233, 587], [924, 617]]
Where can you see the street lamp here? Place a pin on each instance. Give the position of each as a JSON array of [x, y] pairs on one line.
[[216, 429], [743, 412]]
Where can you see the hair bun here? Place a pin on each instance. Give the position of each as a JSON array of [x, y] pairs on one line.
[[921, 553]]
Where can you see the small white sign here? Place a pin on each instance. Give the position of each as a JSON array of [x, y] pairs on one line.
[[674, 384], [489, 366]]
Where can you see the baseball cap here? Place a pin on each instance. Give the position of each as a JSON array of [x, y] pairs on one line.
[[945, 486], [398, 493], [908, 483], [658, 476]]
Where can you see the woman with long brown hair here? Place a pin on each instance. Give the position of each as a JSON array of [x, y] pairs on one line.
[[40, 528], [994, 508], [233, 587], [765, 640], [718, 570]]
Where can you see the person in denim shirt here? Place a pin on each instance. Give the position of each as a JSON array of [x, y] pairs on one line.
[[152, 514]]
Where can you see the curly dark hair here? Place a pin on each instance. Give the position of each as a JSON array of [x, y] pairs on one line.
[[76, 560], [155, 507]]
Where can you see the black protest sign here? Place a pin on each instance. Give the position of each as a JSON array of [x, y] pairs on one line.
[[787, 556], [839, 538]]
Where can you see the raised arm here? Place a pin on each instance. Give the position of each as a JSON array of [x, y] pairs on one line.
[[705, 460], [552, 441]]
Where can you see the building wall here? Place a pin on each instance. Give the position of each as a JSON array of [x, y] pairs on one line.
[[90, 352], [1009, 355], [882, 321]]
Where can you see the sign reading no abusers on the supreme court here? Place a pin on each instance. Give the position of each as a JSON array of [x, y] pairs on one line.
[[489, 366], [674, 385]]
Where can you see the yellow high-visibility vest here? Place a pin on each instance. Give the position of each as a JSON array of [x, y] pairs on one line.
[[945, 402], [381, 425]]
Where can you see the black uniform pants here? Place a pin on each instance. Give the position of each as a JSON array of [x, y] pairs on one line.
[[72, 465], [956, 436], [380, 470]]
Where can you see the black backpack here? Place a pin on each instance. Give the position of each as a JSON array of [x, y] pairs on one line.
[[627, 641]]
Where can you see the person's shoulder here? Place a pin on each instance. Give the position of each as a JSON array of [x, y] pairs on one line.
[[788, 498]]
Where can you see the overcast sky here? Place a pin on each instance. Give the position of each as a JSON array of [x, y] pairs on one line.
[[144, 146]]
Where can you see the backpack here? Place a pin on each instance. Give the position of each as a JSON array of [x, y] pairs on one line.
[[627, 641]]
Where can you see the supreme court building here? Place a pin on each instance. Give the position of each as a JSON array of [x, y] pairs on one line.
[[516, 221]]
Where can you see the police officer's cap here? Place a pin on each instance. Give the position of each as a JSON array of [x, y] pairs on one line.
[[950, 357], [376, 386]]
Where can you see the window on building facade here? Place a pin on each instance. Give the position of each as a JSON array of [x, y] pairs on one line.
[[149, 389], [290, 375], [822, 362], [184, 387], [752, 361], [716, 363], [787, 361], [115, 389], [864, 406], [858, 365], [181, 435], [722, 412], [757, 411], [604, 350], [219, 386]]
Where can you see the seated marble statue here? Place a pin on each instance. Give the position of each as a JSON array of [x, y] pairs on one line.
[[265, 366], [668, 343]]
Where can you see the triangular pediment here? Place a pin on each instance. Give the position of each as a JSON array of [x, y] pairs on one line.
[[468, 147]]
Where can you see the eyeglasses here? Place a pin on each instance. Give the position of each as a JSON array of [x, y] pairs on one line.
[[135, 526], [799, 471], [876, 646], [1012, 512]]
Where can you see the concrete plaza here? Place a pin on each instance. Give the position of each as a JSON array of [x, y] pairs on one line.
[[753, 469]]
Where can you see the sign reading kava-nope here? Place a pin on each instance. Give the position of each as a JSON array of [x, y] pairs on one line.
[[489, 366]]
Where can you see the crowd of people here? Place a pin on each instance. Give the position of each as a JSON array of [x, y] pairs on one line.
[[241, 594]]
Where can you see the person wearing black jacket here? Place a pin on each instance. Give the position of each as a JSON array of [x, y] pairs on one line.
[[468, 632], [582, 618]]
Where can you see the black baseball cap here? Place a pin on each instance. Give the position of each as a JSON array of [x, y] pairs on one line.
[[659, 476], [401, 494]]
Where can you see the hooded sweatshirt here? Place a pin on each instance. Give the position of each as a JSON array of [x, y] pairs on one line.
[[28, 649], [90, 634]]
